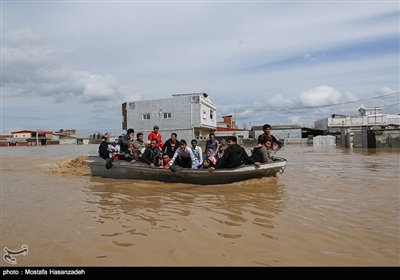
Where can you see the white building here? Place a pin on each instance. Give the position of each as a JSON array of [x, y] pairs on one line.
[[368, 116], [190, 116], [283, 132]]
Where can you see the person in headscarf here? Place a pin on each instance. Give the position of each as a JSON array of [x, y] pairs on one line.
[[210, 159]]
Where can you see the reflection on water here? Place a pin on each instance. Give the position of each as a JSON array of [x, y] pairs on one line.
[[331, 206], [225, 204]]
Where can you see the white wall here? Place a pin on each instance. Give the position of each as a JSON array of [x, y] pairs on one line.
[[67, 141], [321, 124], [187, 112]]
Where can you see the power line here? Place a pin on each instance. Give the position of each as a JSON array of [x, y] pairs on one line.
[[320, 106], [391, 105]]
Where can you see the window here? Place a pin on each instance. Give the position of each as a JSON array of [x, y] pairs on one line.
[[167, 115], [132, 105], [204, 115], [195, 99], [146, 117], [211, 114]]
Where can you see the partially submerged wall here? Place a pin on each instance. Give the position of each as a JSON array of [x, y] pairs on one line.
[[388, 138]]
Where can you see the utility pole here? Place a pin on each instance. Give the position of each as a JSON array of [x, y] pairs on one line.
[[234, 123]]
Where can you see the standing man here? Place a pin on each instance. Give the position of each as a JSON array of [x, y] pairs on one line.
[[155, 134], [171, 145], [267, 135], [211, 143]]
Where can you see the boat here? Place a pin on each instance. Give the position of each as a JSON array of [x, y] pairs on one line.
[[122, 169]]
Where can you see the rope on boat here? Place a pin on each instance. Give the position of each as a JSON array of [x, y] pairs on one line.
[[282, 168]]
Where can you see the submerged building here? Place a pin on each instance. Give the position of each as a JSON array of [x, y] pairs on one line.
[[370, 129]]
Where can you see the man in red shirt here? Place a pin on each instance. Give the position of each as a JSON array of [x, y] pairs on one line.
[[155, 134]]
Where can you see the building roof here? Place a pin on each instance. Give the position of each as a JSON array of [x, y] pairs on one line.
[[45, 131], [79, 136], [22, 131], [278, 127], [196, 93]]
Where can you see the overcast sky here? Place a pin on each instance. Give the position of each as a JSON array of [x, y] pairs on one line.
[[71, 64]]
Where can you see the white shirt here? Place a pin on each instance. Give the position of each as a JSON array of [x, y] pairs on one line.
[[187, 152]]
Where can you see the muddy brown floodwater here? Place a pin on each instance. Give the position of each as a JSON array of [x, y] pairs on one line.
[[331, 207]]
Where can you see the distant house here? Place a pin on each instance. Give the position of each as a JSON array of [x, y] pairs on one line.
[[190, 116], [227, 127], [74, 140], [23, 134], [283, 132], [40, 138], [368, 116], [4, 140], [21, 138], [370, 129], [11, 141]]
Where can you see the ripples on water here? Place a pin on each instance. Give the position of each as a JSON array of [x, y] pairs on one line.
[[331, 206]]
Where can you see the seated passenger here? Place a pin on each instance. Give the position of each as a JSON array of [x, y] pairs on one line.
[[131, 153], [262, 152], [197, 152], [126, 139], [210, 160], [151, 154], [221, 148], [164, 163], [185, 154], [103, 148], [139, 143], [234, 156], [114, 147]]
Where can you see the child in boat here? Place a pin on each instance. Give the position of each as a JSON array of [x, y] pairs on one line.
[[131, 153], [165, 161], [210, 159]]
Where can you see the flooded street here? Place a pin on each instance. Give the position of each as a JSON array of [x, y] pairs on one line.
[[331, 207]]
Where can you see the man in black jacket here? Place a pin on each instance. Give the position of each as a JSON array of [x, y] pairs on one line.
[[171, 145], [126, 139], [151, 155], [234, 156]]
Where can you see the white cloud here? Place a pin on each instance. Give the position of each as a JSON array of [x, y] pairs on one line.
[[256, 60], [319, 96]]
